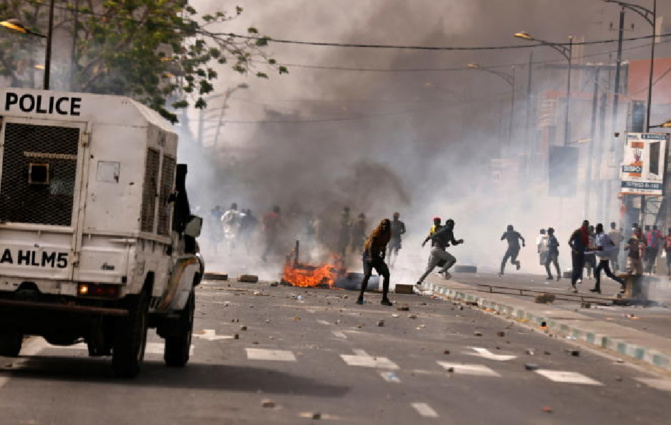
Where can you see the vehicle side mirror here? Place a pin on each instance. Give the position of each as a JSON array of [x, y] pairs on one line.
[[194, 226]]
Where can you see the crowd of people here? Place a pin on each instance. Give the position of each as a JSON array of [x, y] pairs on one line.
[[593, 250]]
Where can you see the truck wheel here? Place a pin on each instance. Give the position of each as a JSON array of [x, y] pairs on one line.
[[177, 346], [10, 344], [130, 339]]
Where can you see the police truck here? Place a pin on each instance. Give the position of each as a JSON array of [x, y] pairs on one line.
[[97, 240]]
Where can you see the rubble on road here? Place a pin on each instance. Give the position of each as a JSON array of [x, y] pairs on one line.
[[403, 308], [267, 403], [404, 289], [248, 278], [531, 366], [477, 333], [501, 334], [380, 323], [545, 298], [215, 276]]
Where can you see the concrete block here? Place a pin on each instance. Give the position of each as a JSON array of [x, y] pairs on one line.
[[403, 289], [215, 276], [465, 269], [248, 278]]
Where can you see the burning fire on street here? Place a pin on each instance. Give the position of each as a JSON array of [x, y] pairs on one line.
[[308, 276]]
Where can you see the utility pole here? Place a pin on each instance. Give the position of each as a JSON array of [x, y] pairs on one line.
[[616, 97], [588, 175], [50, 37]]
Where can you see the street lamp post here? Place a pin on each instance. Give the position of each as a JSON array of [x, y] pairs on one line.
[[16, 25], [567, 52], [651, 17], [508, 78]]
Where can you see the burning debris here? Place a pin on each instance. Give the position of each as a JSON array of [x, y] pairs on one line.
[[307, 276]]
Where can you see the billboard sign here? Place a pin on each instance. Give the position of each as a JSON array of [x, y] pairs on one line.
[[644, 164]]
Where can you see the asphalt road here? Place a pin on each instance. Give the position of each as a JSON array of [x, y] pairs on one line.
[[308, 353]]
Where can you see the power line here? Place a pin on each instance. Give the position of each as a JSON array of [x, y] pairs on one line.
[[265, 39], [367, 116], [453, 69], [435, 48]]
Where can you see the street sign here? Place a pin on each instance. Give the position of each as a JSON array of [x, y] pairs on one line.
[[644, 164]]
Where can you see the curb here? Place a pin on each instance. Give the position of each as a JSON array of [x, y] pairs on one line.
[[619, 346]]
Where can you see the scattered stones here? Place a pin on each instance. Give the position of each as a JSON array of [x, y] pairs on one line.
[[412, 316], [547, 409], [236, 336], [360, 325], [461, 307], [618, 378], [574, 353], [446, 352], [296, 319], [255, 342], [531, 351], [274, 283], [243, 328], [316, 416], [547, 353], [267, 403], [531, 366], [403, 308], [235, 320], [380, 323], [501, 334], [395, 315], [450, 370], [586, 305], [477, 333]]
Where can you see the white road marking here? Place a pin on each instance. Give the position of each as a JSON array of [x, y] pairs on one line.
[[424, 410], [486, 354], [339, 334], [323, 322], [360, 352], [274, 355], [368, 361], [390, 377], [656, 383], [469, 369], [210, 335], [567, 377]]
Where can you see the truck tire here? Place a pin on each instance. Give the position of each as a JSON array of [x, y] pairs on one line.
[[178, 346], [10, 344], [131, 339]]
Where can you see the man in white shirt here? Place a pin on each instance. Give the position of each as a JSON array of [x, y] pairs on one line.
[[604, 251]]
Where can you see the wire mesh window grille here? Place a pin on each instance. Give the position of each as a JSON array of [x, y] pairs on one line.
[[150, 190], [39, 172], [165, 207]]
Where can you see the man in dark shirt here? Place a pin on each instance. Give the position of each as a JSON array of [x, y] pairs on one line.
[[397, 229], [579, 241], [441, 240], [513, 237]]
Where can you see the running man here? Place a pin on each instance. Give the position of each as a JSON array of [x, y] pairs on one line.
[[440, 241], [553, 254], [513, 237], [604, 250]]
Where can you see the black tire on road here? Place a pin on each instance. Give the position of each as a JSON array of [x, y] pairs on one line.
[[178, 345], [131, 339], [10, 343]]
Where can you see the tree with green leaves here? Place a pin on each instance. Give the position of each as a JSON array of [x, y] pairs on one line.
[[159, 52]]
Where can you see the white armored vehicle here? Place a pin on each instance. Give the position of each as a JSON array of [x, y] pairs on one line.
[[97, 242]]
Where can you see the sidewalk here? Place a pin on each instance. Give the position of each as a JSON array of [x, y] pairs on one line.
[[641, 345]]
